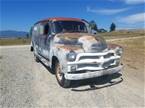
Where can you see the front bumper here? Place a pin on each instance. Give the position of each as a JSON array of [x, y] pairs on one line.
[[92, 74]]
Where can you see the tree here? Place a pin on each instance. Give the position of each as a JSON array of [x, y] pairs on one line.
[[112, 27], [102, 30], [93, 25]]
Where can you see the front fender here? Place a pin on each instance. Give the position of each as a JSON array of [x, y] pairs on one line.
[[113, 46]]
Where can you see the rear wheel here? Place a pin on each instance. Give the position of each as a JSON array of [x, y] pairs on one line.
[[60, 76], [31, 49], [35, 55]]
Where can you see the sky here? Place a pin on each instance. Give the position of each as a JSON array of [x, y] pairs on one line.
[[20, 15]]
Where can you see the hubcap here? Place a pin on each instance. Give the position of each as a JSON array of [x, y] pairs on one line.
[[59, 73]]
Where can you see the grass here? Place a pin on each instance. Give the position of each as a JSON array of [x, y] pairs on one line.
[[134, 52], [15, 41], [123, 33], [108, 35]]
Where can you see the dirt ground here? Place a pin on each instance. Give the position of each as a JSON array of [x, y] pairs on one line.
[[25, 83]]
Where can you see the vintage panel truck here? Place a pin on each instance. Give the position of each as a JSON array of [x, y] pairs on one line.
[[69, 48]]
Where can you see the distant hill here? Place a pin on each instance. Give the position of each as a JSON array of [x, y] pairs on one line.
[[13, 34]]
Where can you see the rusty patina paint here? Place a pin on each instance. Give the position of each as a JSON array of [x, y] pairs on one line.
[[91, 39], [68, 47], [82, 40], [71, 35], [59, 19], [113, 46], [76, 36]]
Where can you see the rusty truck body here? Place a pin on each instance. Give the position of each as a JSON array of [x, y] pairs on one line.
[[69, 48]]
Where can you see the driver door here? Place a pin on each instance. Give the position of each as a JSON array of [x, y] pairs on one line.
[[45, 40]]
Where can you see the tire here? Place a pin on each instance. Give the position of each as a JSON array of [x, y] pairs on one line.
[[60, 76], [36, 58], [31, 49]]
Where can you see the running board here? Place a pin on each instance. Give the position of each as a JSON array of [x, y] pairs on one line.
[[44, 60]]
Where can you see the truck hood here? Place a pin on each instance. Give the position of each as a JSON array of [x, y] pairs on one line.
[[87, 42]]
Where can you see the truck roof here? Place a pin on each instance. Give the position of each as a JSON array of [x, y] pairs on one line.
[[59, 19]]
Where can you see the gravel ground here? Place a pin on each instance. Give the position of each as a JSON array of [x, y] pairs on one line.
[[25, 83]]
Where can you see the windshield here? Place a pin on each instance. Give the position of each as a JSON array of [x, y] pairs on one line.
[[70, 26]]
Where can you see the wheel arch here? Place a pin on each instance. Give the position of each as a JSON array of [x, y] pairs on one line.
[[53, 61]]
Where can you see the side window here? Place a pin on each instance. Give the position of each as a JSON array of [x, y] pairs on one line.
[[41, 29], [44, 29], [35, 30]]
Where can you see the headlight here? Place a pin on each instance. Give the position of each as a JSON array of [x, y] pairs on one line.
[[71, 56], [117, 62], [119, 51]]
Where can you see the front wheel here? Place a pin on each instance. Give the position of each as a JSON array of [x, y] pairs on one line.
[[60, 76]]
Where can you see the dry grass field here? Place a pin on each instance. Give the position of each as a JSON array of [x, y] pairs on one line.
[[108, 35], [122, 34], [14, 41]]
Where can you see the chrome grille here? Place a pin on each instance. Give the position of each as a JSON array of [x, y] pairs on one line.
[[95, 64], [89, 57], [107, 64], [108, 55], [88, 65]]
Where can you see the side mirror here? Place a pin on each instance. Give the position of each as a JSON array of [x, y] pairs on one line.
[[53, 33], [93, 31]]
